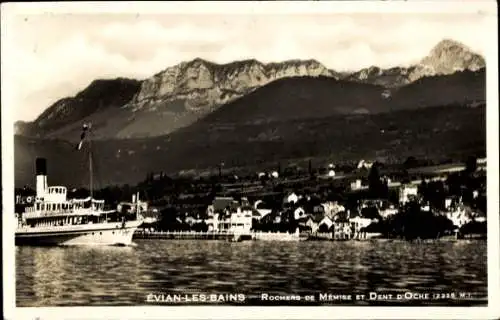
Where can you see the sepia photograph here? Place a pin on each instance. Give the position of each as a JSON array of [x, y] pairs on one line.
[[281, 154]]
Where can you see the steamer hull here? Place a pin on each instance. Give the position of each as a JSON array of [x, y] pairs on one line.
[[92, 234]]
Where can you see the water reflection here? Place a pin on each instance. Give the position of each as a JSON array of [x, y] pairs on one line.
[[124, 276]]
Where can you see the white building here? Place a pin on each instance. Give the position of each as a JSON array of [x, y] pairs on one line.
[[360, 222], [299, 213], [481, 161], [356, 185], [460, 216], [239, 221], [332, 208], [385, 213], [342, 230], [364, 164], [291, 198], [325, 221], [407, 192]]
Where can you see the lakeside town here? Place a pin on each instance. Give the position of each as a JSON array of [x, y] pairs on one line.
[[368, 200]]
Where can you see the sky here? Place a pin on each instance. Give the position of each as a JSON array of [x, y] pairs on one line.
[[54, 54]]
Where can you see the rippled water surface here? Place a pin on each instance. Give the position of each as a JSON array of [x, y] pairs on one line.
[[59, 276]]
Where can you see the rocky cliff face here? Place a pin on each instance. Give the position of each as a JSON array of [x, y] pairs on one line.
[[393, 77], [450, 56], [202, 85], [445, 58]]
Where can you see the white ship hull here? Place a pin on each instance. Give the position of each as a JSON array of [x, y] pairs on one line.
[[89, 234]]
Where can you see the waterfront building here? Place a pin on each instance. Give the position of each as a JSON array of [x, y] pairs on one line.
[[342, 230], [132, 207], [226, 215], [240, 221], [221, 205], [306, 222], [325, 224], [358, 222], [330, 208]]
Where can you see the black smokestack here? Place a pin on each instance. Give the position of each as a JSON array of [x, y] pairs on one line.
[[41, 166]]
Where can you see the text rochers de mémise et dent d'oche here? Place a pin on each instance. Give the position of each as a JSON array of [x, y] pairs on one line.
[[322, 297]]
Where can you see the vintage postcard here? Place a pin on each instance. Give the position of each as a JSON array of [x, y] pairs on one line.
[[201, 160]]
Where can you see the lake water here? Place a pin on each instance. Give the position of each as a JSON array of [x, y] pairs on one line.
[[160, 269]]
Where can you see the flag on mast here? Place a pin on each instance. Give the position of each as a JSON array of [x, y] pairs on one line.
[[82, 136]]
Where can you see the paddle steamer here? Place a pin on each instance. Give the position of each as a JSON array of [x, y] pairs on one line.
[[53, 219]]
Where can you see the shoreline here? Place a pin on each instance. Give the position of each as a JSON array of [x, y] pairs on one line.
[[281, 236]]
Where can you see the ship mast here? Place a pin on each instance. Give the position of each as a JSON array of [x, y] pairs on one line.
[[90, 168]]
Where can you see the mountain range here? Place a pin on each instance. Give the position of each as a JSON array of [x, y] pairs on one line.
[[184, 93], [193, 115]]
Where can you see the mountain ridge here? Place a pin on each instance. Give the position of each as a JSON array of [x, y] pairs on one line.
[[445, 58], [185, 93]]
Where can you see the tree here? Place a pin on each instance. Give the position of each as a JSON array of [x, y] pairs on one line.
[[374, 179], [414, 223], [411, 162], [377, 188], [470, 165]]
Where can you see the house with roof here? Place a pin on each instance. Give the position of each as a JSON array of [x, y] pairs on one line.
[[460, 215], [331, 208], [237, 221], [363, 164], [225, 214], [306, 223], [316, 220], [299, 213], [262, 208], [325, 225], [358, 223], [291, 198], [342, 230], [222, 205], [377, 203], [452, 202]]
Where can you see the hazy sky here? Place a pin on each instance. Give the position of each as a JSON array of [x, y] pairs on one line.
[[54, 55]]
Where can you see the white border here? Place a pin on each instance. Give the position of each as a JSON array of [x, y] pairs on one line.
[[226, 312]]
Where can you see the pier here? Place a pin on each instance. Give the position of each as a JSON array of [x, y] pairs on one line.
[[193, 235], [220, 235]]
